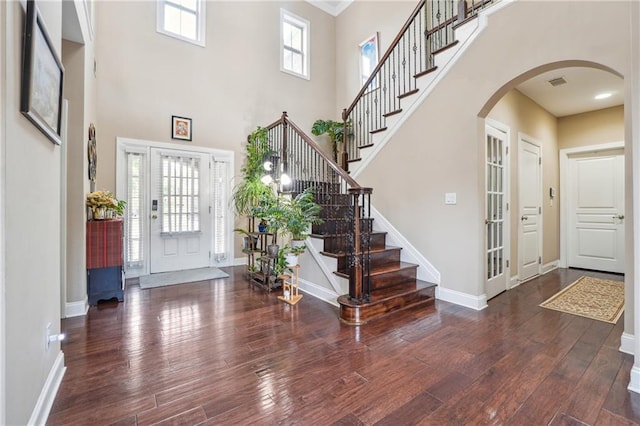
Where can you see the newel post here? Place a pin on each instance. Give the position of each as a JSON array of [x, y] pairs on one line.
[[359, 263]]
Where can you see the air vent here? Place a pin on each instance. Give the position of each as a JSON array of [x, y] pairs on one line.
[[557, 81]]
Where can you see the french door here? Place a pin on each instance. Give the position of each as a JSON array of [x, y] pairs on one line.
[[496, 220]]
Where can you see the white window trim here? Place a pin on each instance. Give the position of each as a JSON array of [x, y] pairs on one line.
[[201, 21], [124, 145], [285, 15]]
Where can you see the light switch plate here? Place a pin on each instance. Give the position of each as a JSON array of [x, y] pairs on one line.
[[450, 198]]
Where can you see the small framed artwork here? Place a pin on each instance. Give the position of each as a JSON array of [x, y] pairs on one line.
[[42, 77], [181, 128], [368, 60]]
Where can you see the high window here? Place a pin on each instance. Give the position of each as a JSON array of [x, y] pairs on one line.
[[294, 44], [182, 19]]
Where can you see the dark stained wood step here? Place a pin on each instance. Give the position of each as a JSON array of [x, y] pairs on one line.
[[391, 275], [443, 48], [419, 295], [392, 113], [337, 243], [409, 93], [379, 257], [425, 72], [381, 129]]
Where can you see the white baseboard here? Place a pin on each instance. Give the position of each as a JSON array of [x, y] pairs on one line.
[[49, 390], [514, 282], [76, 309], [634, 380], [627, 343], [550, 266], [319, 292], [463, 299]]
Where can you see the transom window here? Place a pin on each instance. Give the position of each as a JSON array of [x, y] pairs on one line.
[[182, 19], [180, 209], [294, 44]]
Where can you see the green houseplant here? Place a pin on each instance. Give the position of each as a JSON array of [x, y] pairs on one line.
[[250, 191], [300, 213], [335, 131]]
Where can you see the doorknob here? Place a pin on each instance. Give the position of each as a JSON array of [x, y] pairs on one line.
[[488, 221], [524, 218], [620, 216], [154, 216]]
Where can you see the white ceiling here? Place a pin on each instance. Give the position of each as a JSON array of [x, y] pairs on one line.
[[577, 95], [332, 7]]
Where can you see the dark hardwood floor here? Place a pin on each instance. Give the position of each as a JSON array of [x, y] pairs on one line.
[[221, 352]]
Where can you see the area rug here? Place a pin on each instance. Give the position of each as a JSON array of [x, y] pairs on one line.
[[590, 297], [181, 277]]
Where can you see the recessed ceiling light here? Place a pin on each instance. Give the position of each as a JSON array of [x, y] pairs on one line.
[[604, 95]]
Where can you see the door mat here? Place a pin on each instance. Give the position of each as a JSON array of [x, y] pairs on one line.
[[589, 297], [180, 277]]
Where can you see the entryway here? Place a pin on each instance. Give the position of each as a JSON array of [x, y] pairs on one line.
[[178, 216]]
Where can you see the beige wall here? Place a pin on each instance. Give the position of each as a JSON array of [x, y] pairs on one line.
[[591, 128], [75, 277], [438, 149], [228, 88], [31, 167], [522, 115]]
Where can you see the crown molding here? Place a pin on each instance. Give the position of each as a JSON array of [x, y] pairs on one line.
[[334, 8]]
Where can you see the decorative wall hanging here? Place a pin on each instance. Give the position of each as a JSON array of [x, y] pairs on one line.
[[180, 128], [368, 59], [42, 77], [92, 153]]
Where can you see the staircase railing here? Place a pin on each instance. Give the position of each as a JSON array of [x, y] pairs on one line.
[[429, 29], [308, 166]]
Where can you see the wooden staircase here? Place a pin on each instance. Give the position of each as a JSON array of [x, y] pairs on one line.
[[392, 284]]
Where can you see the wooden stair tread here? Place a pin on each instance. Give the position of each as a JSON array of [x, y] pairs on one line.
[[323, 236], [425, 72], [385, 269], [409, 93], [373, 250], [443, 48], [400, 289]]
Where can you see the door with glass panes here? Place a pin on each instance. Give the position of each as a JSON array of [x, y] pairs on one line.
[[496, 220], [180, 219]]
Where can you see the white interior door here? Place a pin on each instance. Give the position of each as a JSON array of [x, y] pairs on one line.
[[496, 221], [595, 237], [530, 191], [180, 223]]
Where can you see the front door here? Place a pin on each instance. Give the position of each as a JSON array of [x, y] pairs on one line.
[[530, 190], [596, 211], [496, 224], [180, 223]]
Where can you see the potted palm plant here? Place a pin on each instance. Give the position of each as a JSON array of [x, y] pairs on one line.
[[301, 212], [335, 131]]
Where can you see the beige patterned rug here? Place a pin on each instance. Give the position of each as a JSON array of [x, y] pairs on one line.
[[590, 297]]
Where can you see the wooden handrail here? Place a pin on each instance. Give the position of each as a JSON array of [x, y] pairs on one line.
[[332, 164], [347, 111]]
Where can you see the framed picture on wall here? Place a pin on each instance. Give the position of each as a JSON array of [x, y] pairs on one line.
[[180, 128], [42, 77], [369, 60]]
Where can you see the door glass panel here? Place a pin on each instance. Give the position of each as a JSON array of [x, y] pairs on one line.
[[495, 199], [180, 194]]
